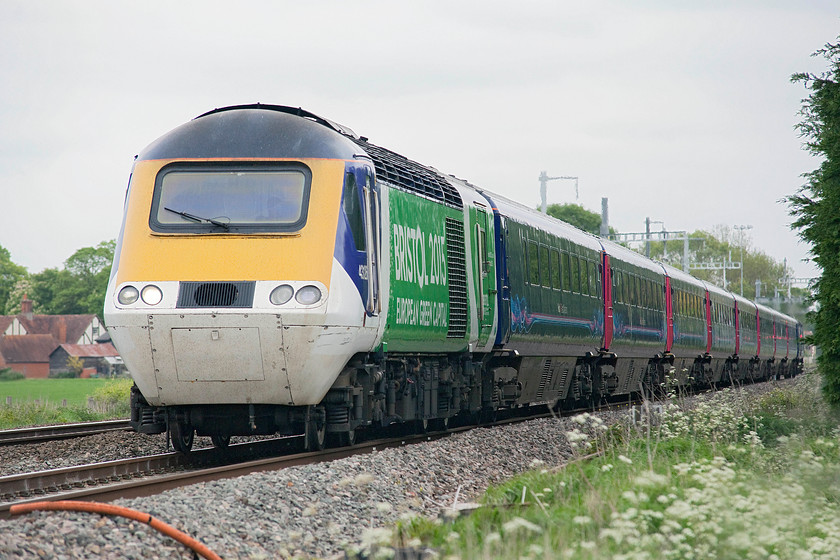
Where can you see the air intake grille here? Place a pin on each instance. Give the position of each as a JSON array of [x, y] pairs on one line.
[[411, 175], [545, 378], [216, 294], [457, 274]]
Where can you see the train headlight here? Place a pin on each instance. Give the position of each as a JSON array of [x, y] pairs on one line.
[[151, 295], [308, 295], [128, 295], [281, 294]]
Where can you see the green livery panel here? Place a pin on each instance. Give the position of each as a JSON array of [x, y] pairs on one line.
[[428, 304]]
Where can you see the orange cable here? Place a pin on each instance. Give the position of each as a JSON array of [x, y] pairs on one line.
[[109, 509]]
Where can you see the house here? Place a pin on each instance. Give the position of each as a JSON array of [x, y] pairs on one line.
[[27, 340], [98, 359], [29, 354]]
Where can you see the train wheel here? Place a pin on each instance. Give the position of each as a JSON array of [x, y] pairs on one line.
[[181, 434], [347, 438], [221, 441], [316, 431], [341, 439]]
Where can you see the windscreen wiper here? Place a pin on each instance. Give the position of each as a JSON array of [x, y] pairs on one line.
[[199, 219]]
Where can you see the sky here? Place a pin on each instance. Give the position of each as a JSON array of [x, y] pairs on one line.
[[678, 110]]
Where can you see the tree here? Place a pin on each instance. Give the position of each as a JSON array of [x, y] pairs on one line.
[[75, 365], [10, 274], [576, 215], [79, 288], [816, 207], [721, 245]]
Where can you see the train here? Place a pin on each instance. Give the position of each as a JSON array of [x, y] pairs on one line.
[[276, 273]]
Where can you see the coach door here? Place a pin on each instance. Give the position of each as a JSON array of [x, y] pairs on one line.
[[484, 278], [372, 237]]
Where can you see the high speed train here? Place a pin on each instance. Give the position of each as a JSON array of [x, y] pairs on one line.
[[277, 273]]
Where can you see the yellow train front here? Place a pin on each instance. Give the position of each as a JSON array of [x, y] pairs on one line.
[[239, 291]]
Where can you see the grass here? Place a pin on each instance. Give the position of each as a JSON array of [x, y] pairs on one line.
[[39, 401], [76, 391], [729, 477]]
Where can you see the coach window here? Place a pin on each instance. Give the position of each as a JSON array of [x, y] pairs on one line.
[[617, 286], [533, 264], [593, 279], [584, 277], [622, 287], [554, 264], [544, 274], [566, 271], [575, 274], [598, 281]]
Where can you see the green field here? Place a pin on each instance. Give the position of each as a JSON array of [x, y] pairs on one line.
[[51, 391]]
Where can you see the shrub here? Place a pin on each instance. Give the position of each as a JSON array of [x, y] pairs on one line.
[[114, 397], [8, 374]]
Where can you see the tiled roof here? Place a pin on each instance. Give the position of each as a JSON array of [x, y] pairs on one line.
[[70, 326], [89, 350], [27, 348]]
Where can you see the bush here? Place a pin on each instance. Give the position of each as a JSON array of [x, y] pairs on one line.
[[8, 374], [114, 397], [63, 375]]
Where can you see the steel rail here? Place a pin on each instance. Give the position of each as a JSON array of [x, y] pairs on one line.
[[60, 431]]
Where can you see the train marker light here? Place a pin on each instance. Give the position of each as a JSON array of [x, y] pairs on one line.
[[281, 294], [128, 295], [308, 295]]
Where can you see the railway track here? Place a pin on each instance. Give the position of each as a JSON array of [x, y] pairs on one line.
[[144, 476], [149, 475], [60, 431]]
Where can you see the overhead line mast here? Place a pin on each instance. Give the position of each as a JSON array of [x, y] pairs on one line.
[[544, 179]]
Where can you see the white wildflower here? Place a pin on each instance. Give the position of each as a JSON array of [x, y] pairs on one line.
[[492, 538], [650, 479], [576, 435], [518, 523]]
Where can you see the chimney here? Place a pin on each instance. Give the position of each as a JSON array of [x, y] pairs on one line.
[[26, 307]]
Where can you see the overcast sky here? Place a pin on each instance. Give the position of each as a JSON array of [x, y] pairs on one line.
[[681, 111]]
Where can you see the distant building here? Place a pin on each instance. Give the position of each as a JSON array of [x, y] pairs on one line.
[[101, 359], [27, 341]]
